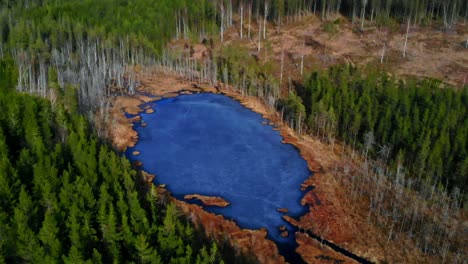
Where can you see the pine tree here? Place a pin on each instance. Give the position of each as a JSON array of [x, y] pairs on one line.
[[48, 236], [145, 253]]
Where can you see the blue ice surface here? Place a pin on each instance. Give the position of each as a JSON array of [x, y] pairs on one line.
[[210, 144]]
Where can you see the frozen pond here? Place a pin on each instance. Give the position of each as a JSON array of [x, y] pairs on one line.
[[210, 144]]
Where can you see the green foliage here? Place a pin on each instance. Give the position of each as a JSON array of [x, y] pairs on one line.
[[236, 66], [331, 27], [71, 199], [422, 12], [293, 107], [424, 126], [44, 25], [8, 75], [388, 22]]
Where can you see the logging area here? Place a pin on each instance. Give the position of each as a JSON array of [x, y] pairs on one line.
[[372, 93]]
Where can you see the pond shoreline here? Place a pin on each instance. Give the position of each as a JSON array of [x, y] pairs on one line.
[[266, 251]]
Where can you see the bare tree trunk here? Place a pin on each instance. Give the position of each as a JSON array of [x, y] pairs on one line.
[[242, 19], [406, 39], [354, 11], [222, 22], [265, 20], [446, 25], [369, 142], [185, 25], [298, 124], [363, 12], [177, 25], [302, 58], [250, 18], [282, 64], [466, 13], [230, 14], [383, 54], [454, 17], [323, 9], [279, 23], [259, 34]]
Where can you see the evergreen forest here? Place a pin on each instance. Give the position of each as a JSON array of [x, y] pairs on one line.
[[414, 125], [66, 196]]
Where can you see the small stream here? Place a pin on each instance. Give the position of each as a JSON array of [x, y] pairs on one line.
[[337, 248]]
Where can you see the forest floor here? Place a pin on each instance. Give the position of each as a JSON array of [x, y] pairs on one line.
[[430, 53]]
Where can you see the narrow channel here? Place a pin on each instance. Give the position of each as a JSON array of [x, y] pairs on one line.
[[337, 248]]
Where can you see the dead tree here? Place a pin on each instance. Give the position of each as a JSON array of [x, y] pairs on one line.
[[242, 19], [265, 19], [406, 39], [259, 35], [302, 57], [282, 65], [221, 8], [363, 12], [382, 54], [250, 17]]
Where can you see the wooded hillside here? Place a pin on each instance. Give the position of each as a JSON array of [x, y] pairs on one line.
[[67, 198], [421, 129]]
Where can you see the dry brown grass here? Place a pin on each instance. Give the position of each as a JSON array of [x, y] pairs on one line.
[[431, 52]]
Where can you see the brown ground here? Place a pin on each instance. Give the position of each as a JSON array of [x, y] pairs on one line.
[[208, 200], [313, 252], [120, 128], [244, 240], [431, 52]]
